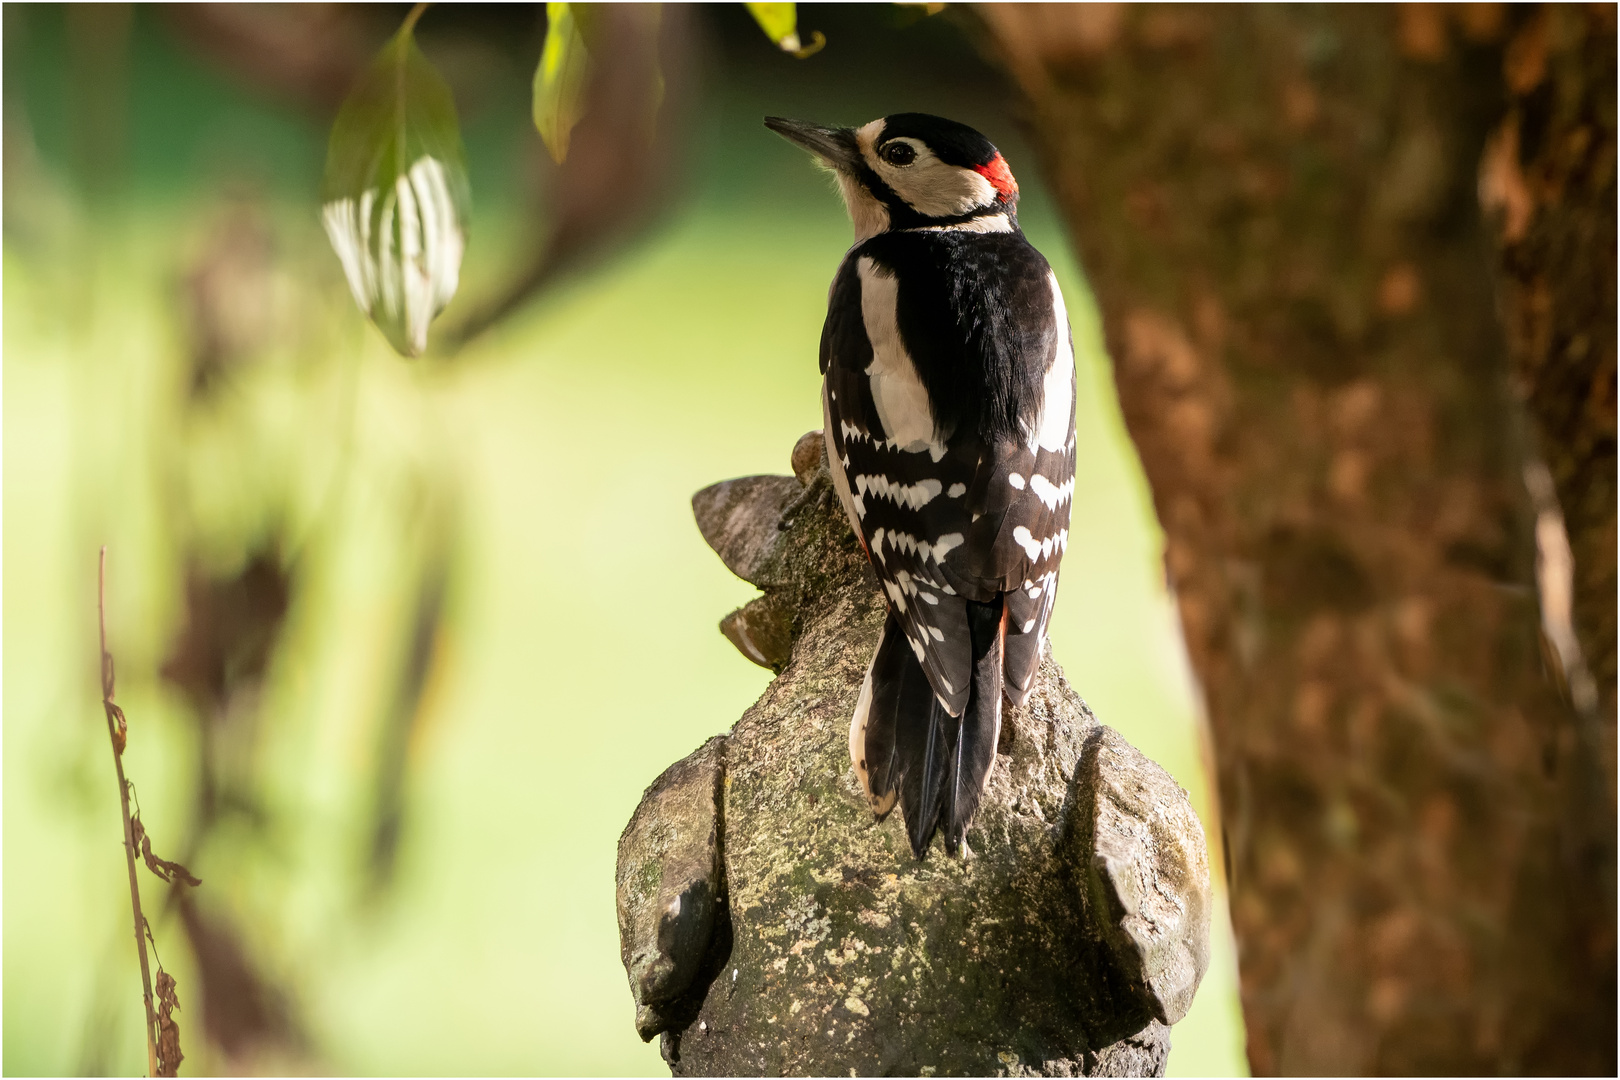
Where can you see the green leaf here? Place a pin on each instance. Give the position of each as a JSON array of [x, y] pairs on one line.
[[559, 80], [781, 24], [779, 21], [395, 196]]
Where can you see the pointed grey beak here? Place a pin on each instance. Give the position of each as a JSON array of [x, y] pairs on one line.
[[835, 146]]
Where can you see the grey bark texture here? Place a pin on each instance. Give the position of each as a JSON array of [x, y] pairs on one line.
[[769, 925]]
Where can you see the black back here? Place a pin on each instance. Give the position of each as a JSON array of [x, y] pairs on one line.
[[975, 312]]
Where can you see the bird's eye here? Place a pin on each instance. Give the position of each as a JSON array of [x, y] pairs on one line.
[[898, 153]]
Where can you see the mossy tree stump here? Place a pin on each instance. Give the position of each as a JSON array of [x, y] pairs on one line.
[[769, 925]]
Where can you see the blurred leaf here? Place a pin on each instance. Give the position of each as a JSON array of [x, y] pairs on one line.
[[779, 21], [781, 24], [394, 200], [559, 80]]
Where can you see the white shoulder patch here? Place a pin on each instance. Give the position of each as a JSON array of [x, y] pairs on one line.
[[901, 400], [1056, 418]]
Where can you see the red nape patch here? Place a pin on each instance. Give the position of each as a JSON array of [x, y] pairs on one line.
[[1000, 177]]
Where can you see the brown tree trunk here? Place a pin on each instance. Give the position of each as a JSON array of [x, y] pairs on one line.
[[1548, 185], [1279, 211]]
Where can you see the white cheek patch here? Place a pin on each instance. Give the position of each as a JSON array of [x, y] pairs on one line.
[[928, 185]]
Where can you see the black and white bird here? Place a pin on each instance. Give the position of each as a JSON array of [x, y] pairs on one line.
[[948, 393]]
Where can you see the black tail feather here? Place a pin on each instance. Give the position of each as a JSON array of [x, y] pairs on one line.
[[979, 727], [892, 668], [936, 762], [1027, 617]]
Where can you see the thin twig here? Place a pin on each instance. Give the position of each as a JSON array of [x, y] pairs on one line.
[[118, 732]]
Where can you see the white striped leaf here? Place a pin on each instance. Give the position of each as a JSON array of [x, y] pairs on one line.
[[394, 199]]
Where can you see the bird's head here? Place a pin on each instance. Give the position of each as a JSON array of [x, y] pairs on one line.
[[912, 170]]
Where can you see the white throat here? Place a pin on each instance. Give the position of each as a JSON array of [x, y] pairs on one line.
[[869, 216]]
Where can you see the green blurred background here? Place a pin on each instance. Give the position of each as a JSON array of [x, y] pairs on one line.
[[468, 616]]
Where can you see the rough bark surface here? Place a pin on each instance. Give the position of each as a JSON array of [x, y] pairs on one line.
[[1065, 944], [1547, 183], [1278, 209]]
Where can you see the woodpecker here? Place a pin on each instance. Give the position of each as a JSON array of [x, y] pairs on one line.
[[948, 396]]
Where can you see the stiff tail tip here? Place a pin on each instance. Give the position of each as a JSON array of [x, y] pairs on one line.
[[908, 749]]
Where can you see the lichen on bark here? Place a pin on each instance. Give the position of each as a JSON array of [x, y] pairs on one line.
[[1068, 940]]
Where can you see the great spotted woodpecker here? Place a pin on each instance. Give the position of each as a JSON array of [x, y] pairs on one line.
[[948, 395]]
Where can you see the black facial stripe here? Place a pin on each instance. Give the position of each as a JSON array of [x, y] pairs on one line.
[[902, 216], [880, 190]]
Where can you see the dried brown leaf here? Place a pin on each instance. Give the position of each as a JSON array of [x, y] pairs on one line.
[[168, 1048], [120, 735], [163, 868]]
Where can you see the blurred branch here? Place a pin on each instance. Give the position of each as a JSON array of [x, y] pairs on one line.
[[98, 50], [245, 1014], [235, 622], [409, 703], [309, 54]]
